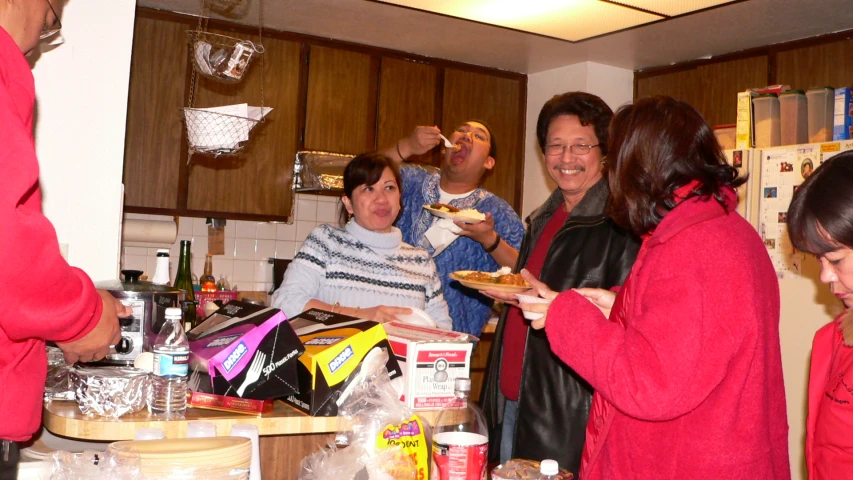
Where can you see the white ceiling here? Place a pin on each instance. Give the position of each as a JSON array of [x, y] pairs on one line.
[[738, 26]]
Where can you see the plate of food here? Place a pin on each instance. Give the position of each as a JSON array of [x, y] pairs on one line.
[[443, 210], [502, 280]]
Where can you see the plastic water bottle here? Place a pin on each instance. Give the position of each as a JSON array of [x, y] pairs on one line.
[[171, 365], [460, 439], [549, 470]]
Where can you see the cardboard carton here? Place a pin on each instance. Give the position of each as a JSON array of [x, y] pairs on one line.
[[244, 350], [431, 359], [335, 346], [842, 128]]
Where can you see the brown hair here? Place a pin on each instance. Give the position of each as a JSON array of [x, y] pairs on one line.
[[659, 144], [823, 207], [366, 169]]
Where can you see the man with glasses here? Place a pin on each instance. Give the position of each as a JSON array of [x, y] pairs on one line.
[[485, 246], [42, 297], [536, 406]]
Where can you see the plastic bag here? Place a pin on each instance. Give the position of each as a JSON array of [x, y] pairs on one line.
[[381, 438], [91, 465]]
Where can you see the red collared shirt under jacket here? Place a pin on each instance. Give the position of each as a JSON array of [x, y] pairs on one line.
[[41, 297], [687, 371]]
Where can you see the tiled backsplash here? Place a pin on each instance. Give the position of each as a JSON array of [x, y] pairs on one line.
[[248, 245]]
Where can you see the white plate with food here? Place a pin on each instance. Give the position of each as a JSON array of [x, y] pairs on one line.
[[502, 281], [443, 210]]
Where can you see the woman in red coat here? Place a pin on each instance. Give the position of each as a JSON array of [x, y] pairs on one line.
[[820, 221], [685, 359]]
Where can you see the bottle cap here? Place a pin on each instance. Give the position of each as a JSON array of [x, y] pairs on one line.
[[463, 384], [173, 312], [163, 252], [549, 467]]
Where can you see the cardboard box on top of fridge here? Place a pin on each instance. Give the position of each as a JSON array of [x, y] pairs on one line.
[[842, 128], [744, 128], [431, 359], [244, 350], [335, 346]]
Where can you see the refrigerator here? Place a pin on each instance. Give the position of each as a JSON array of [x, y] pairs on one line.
[[806, 304]]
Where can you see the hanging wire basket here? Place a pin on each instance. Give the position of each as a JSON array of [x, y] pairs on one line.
[[215, 133], [219, 57]]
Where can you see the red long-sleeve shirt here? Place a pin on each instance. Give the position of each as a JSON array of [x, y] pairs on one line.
[[687, 370], [41, 296]]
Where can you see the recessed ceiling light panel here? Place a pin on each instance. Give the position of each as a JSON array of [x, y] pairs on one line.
[[672, 8]]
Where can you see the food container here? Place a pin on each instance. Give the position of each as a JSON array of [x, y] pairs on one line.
[[821, 109], [793, 117], [110, 391], [767, 122], [149, 303], [726, 136]]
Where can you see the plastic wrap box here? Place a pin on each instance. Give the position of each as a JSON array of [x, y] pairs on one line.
[[431, 359], [244, 350], [335, 346]]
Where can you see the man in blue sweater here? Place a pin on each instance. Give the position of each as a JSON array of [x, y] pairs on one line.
[[485, 246]]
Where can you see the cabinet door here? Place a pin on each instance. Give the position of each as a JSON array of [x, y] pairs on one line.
[[340, 114], [499, 102], [258, 180], [406, 100], [154, 139]]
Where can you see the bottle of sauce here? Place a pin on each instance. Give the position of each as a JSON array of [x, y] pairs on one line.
[[207, 280]]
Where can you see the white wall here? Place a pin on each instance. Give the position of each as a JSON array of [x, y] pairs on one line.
[[81, 89], [614, 85]]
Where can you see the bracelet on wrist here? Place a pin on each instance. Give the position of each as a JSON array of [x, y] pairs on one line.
[[398, 152], [494, 246]]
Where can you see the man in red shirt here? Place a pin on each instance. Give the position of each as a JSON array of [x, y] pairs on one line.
[[41, 296]]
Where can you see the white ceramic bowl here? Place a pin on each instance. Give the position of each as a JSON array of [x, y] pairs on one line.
[[530, 299]]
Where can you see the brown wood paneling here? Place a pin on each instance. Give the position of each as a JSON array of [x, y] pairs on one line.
[[479, 362], [828, 64], [153, 141], [258, 180], [338, 105], [406, 99], [711, 88], [281, 455], [494, 100]]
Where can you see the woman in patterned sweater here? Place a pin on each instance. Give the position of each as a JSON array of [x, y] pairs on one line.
[[364, 269]]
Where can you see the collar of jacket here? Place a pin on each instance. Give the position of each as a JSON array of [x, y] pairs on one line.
[[592, 204], [690, 212]]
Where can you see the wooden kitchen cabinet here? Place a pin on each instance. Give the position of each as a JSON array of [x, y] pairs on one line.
[[407, 98], [257, 181], [154, 146], [497, 101], [340, 112]]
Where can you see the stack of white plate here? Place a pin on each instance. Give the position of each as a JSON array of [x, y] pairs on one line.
[[204, 458]]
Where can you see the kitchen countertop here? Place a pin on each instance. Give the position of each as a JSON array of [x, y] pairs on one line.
[[64, 418]]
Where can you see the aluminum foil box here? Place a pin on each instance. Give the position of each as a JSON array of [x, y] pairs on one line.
[[335, 346], [245, 350]]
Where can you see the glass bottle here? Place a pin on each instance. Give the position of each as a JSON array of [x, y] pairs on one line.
[[171, 366], [208, 281], [460, 439], [183, 281]]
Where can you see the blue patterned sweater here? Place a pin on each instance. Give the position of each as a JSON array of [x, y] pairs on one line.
[[468, 308]]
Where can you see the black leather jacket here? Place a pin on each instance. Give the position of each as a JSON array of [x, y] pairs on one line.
[[553, 406]]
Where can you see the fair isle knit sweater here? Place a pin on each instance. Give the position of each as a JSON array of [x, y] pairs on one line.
[[357, 267]]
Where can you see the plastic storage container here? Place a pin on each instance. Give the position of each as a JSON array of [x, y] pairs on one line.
[[793, 117], [821, 109], [767, 124], [726, 136]]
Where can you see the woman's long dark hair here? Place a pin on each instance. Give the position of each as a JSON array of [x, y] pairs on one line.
[[658, 145], [366, 169], [820, 218]]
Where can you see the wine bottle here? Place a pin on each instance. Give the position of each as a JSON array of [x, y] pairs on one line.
[[183, 281]]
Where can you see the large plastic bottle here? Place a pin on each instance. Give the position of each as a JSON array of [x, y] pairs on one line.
[[549, 470], [460, 439], [171, 365]]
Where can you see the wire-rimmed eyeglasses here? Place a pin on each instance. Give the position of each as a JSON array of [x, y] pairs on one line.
[[559, 149], [48, 31]]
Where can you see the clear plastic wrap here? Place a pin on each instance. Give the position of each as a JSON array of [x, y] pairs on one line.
[[59, 384], [380, 438], [110, 391], [94, 466]]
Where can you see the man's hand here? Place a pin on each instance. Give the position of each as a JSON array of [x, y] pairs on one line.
[[422, 140], [96, 344], [482, 233]]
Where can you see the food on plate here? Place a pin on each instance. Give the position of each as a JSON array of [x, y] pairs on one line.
[[504, 276], [444, 207]]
